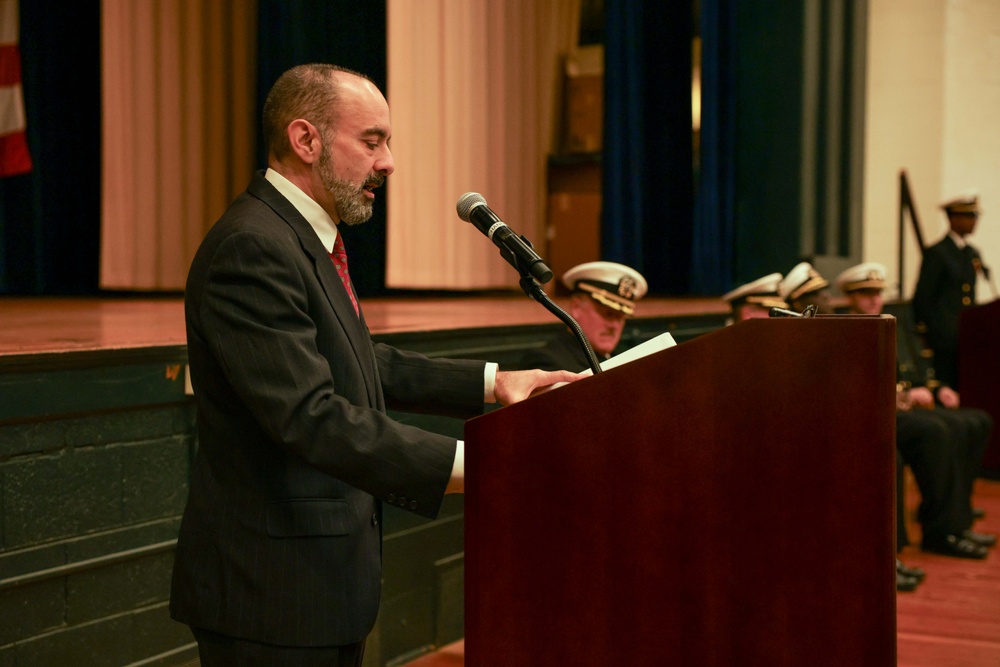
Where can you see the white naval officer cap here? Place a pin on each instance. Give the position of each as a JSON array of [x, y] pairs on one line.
[[868, 275], [763, 292], [614, 285], [801, 280], [966, 203]]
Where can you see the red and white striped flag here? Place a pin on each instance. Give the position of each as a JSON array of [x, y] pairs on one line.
[[14, 156]]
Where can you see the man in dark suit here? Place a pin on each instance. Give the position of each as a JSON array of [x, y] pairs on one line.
[[279, 555], [947, 285], [602, 296]]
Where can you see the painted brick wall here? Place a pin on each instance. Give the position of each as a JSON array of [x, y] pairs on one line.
[[94, 464]]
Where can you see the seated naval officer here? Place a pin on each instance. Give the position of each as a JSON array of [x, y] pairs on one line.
[[602, 296], [942, 442], [924, 449], [803, 286], [755, 298]]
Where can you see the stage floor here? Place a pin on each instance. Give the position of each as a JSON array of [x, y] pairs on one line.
[[47, 325]]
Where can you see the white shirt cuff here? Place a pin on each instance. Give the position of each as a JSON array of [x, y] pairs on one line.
[[490, 381]]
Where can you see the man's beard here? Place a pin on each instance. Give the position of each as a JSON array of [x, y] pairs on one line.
[[352, 202]]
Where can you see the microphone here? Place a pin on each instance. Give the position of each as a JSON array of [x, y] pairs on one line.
[[517, 250]]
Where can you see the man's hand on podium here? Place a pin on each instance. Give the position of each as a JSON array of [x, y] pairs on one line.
[[514, 386]]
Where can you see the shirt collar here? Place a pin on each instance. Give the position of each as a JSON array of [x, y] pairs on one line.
[[318, 219], [959, 241]]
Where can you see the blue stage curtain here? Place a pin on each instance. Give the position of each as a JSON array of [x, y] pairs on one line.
[[50, 217], [714, 216], [648, 188], [349, 34]]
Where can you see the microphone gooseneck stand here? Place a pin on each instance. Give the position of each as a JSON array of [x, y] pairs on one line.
[[808, 311], [989, 281], [533, 289]]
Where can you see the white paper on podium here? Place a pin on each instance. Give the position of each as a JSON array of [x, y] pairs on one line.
[[661, 342]]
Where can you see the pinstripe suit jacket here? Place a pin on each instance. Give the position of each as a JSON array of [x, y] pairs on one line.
[[281, 538]]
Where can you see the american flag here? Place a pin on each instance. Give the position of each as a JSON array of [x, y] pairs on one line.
[[14, 155]]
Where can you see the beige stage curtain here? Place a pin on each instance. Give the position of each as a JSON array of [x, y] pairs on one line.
[[473, 88], [178, 89]]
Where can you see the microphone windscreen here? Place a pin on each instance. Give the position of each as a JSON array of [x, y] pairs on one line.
[[467, 202]]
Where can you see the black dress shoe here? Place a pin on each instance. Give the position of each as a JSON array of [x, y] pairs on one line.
[[906, 584], [978, 513], [985, 539], [908, 571], [955, 545]]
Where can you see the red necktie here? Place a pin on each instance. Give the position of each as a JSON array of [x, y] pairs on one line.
[[339, 257]]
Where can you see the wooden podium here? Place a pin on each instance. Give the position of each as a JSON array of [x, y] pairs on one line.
[[979, 369], [728, 501]]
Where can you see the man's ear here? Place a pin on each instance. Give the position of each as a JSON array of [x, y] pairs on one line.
[[305, 140]]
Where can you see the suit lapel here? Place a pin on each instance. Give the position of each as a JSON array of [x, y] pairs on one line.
[[326, 273]]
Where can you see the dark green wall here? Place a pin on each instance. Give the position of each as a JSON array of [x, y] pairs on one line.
[[95, 450]]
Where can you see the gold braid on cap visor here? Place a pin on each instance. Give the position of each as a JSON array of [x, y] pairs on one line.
[[768, 300], [864, 284], [814, 283], [608, 298]]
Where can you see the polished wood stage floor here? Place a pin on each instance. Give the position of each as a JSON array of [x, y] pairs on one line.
[[953, 618], [36, 326]]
